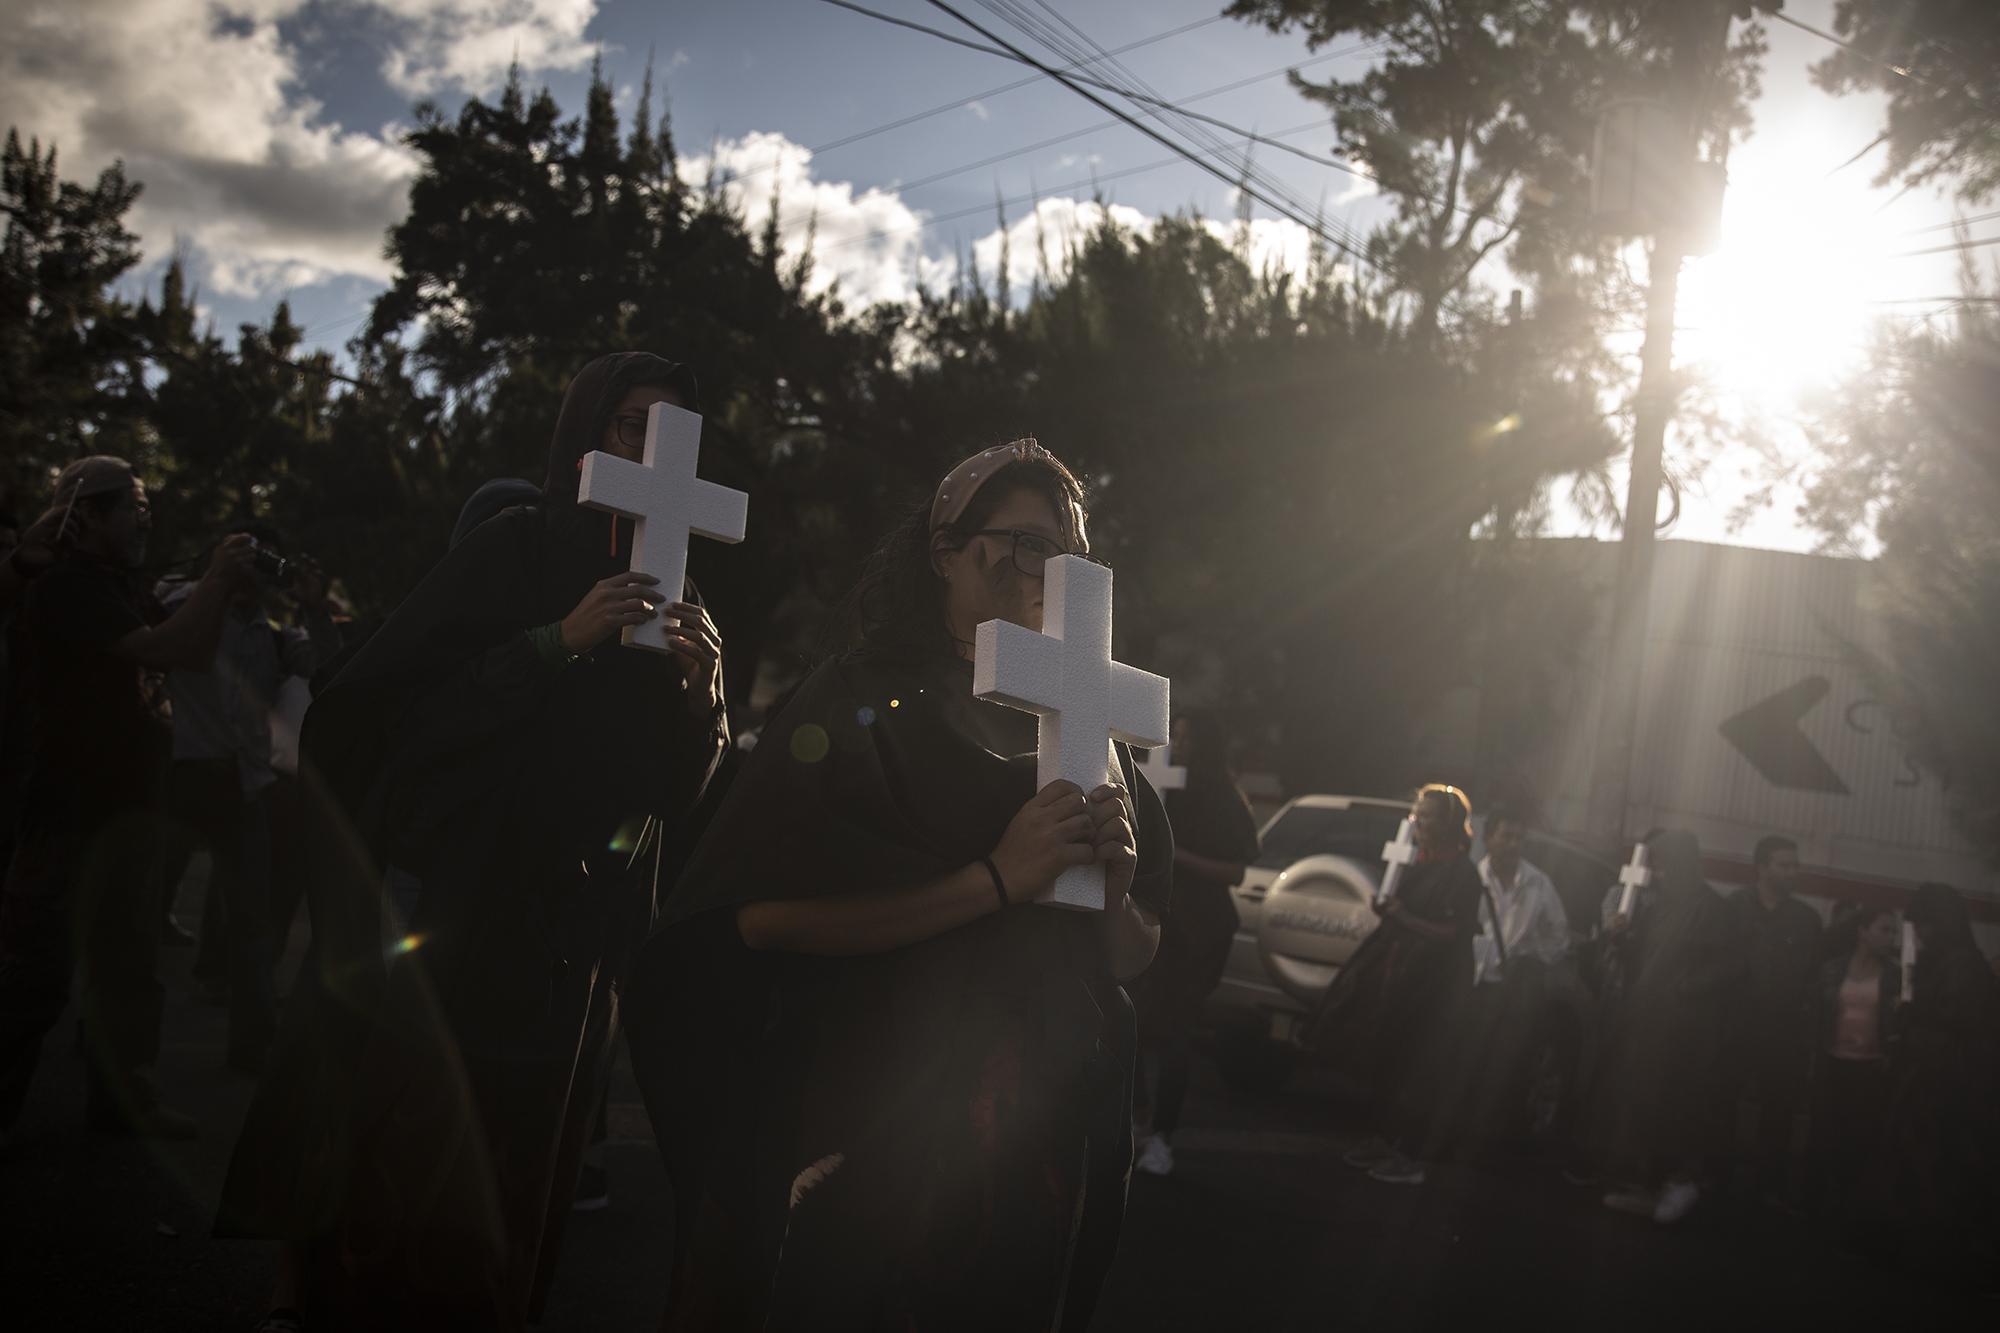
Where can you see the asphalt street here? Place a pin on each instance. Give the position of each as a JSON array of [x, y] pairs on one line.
[[1259, 1227]]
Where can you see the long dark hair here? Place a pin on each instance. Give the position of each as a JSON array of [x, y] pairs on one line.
[[897, 606], [1210, 766], [1844, 932], [1941, 911]]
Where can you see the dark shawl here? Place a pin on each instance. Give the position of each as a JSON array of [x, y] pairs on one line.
[[1380, 1017], [1209, 816], [1664, 1067], [1946, 1068], [529, 801], [880, 772]]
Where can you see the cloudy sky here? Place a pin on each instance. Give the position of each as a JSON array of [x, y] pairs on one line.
[[267, 135]]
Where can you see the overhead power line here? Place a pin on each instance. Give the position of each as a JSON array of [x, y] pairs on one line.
[[1848, 47], [1247, 135], [1955, 222], [1266, 186], [1974, 244], [1902, 71], [1156, 136], [1107, 86], [1033, 196], [995, 91], [1138, 90]]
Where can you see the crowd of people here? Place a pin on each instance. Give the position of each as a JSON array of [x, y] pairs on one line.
[[1741, 1045], [889, 1091]]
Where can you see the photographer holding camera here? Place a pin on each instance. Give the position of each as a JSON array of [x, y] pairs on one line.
[[81, 890], [222, 775]]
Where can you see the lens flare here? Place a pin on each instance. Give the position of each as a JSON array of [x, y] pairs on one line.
[[810, 743], [626, 839]]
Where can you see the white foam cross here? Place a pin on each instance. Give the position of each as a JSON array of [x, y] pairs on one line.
[[1397, 855], [1634, 876], [666, 502], [1065, 676]]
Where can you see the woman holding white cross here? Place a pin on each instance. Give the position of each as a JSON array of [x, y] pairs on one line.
[[1380, 1018], [893, 1088]]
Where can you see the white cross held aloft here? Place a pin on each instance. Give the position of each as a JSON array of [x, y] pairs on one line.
[[1909, 961], [1065, 676], [666, 502], [1161, 772], [1634, 875], [1397, 854]]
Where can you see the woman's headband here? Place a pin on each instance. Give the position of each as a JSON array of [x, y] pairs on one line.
[[955, 492]]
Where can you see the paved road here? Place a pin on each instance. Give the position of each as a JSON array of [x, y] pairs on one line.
[[1260, 1227]]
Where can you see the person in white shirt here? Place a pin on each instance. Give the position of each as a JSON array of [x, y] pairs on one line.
[[1480, 1077], [223, 774], [1531, 921]]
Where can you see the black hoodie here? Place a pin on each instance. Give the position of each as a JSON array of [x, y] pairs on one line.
[[423, 1079]]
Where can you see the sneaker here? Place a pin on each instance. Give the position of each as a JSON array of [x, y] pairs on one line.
[[593, 1190], [1368, 1154], [1676, 1201], [1156, 1158], [1639, 1203], [1398, 1170]]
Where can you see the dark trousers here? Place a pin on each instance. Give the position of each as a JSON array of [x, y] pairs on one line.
[[210, 811], [1773, 1073], [1166, 1062], [182, 838], [1850, 1102], [288, 870], [81, 896]]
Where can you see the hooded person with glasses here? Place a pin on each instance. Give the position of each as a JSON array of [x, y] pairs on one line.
[[417, 1139]]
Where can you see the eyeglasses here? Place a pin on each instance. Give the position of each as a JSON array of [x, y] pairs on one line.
[[1032, 551], [631, 430]]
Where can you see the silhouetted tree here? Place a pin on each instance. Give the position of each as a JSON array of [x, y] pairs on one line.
[[65, 337], [1938, 62], [1912, 458]]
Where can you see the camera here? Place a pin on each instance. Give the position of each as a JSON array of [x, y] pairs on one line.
[[270, 564]]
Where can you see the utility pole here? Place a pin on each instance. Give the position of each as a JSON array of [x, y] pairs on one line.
[[1699, 45]]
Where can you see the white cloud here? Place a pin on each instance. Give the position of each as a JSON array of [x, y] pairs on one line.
[[469, 44], [204, 101], [1046, 234], [1274, 244], [870, 242], [1363, 187], [200, 101]]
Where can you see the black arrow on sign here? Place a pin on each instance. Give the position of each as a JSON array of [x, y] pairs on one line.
[[1768, 735]]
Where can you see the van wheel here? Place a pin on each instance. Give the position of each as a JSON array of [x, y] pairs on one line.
[[1250, 1061]]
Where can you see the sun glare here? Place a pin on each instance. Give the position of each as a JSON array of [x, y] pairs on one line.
[[1785, 304]]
